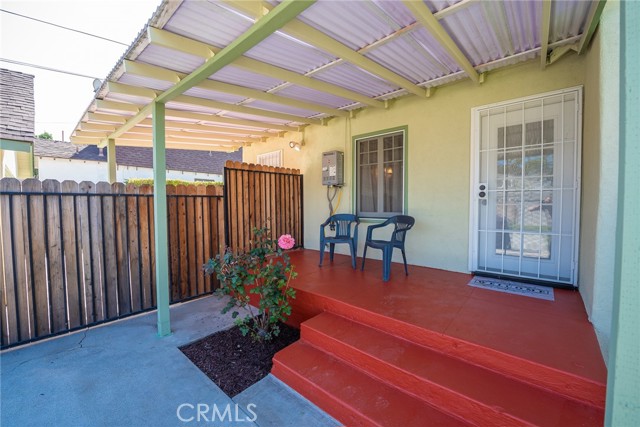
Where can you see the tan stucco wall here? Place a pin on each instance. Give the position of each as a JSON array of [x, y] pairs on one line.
[[439, 153], [600, 174]]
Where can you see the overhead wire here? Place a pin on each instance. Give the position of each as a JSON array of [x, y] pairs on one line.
[[42, 67], [63, 27]]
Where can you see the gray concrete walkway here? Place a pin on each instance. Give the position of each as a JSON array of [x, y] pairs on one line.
[[121, 374]]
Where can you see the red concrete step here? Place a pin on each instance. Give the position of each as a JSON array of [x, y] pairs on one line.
[[351, 396], [457, 387], [564, 383]]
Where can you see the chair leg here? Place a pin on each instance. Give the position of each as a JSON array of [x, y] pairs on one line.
[[386, 264], [332, 247], [404, 257], [364, 257], [353, 255], [321, 252]]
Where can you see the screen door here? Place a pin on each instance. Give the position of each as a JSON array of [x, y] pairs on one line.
[[525, 193]]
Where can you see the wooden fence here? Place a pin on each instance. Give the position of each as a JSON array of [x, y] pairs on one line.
[[257, 196], [79, 254]]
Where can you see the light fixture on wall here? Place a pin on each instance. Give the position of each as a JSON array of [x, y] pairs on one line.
[[296, 145]]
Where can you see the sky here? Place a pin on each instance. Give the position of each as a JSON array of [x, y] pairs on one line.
[[62, 99]]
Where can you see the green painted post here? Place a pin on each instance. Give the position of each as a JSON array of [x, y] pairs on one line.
[[160, 217], [623, 396], [111, 161]]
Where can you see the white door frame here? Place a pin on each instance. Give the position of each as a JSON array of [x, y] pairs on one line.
[[474, 159]]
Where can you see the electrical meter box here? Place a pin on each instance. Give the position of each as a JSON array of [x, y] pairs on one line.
[[333, 168]]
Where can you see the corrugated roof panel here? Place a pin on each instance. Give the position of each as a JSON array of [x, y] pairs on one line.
[[242, 77], [280, 108], [434, 49], [289, 53], [486, 31], [567, 19], [306, 94], [354, 78], [135, 80], [207, 22], [410, 58], [214, 95], [473, 34], [395, 9], [353, 23], [437, 5], [170, 59]]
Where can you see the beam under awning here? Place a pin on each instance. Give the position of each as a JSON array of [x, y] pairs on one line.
[[176, 42], [422, 13]]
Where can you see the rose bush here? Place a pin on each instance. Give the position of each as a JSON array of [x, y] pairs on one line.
[[266, 272]]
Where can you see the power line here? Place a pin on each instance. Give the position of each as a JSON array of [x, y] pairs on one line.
[[42, 67], [63, 27]]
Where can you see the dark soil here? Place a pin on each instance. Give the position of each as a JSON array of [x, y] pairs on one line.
[[235, 362]]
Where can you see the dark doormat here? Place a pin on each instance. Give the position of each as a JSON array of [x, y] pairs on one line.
[[511, 287]]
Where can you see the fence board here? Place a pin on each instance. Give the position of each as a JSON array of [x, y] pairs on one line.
[[183, 263], [109, 248], [174, 243], [122, 264], [83, 237], [191, 241], [38, 256], [199, 239], [8, 301], [55, 267], [133, 247], [95, 289], [71, 244], [145, 243]]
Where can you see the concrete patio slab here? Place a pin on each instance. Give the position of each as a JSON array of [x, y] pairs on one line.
[[121, 374], [282, 406]]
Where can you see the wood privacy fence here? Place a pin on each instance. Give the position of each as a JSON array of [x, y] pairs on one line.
[[257, 196], [79, 254]]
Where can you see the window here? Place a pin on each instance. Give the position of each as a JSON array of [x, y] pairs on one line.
[[274, 158], [380, 174]]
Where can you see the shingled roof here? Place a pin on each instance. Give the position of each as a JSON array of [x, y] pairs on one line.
[[179, 160], [17, 107]]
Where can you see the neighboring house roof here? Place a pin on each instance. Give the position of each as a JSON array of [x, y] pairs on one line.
[[179, 160], [17, 106]]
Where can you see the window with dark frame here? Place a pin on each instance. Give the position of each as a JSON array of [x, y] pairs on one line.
[[380, 168]]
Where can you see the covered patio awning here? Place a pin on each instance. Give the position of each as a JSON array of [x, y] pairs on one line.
[[324, 59], [222, 74]]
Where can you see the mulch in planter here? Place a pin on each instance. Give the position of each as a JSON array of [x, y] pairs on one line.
[[235, 362]]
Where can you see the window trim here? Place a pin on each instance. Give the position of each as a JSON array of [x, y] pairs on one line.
[[280, 155], [405, 164]]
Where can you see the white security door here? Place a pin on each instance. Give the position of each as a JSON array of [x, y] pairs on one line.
[[525, 195]]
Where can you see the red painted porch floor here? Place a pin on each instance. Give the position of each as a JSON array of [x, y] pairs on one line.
[[431, 345]]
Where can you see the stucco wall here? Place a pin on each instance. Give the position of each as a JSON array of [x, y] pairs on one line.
[[439, 151], [600, 176]]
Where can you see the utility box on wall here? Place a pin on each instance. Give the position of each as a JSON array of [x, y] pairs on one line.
[[333, 168]]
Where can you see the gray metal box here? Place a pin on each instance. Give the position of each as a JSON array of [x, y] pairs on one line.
[[333, 168]]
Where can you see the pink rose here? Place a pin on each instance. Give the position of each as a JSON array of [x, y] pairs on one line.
[[286, 241]]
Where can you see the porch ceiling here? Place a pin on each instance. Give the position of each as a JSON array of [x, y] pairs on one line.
[[335, 58]]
